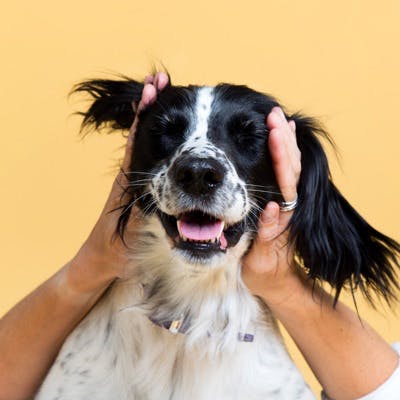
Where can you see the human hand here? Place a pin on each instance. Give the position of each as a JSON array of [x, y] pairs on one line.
[[270, 260], [104, 257]]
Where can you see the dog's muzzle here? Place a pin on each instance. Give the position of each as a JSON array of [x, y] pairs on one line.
[[200, 191]]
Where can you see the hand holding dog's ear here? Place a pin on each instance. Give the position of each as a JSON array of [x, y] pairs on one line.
[[152, 84], [103, 248], [328, 235], [270, 256]]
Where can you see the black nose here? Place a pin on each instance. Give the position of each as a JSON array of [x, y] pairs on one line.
[[198, 175]]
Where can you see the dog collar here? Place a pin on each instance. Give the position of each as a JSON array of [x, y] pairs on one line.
[[177, 326]]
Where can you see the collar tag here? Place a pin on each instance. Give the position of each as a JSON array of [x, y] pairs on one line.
[[175, 326], [245, 337]]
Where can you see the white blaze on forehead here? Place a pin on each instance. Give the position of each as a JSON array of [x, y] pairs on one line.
[[205, 97]]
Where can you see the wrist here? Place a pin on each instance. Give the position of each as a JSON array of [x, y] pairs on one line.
[[291, 286], [85, 277]]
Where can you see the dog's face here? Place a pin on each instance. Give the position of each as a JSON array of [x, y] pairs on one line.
[[202, 156]]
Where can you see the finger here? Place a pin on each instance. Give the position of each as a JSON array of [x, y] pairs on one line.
[[277, 119], [268, 223], [289, 131], [294, 148], [149, 95], [284, 153], [161, 80], [149, 79], [292, 125], [282, 164]]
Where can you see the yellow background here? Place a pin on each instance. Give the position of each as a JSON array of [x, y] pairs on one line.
[[338, 60]]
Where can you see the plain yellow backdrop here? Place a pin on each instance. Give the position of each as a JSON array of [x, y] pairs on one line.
[[339, 61]]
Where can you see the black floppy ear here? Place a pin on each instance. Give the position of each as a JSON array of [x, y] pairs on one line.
[[335, 243], [112, 102]]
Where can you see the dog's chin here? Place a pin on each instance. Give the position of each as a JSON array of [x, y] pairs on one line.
[[201, 238]]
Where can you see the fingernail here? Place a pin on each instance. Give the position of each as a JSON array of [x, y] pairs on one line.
[[148, 95], [282, 114], [162, 80]]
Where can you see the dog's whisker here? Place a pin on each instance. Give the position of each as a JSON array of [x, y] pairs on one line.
[[263, 186], [127, 207], [263, 191], [138, 173], [134, 183], [255, 205], [137, 184], [149, 207], [260, 197]]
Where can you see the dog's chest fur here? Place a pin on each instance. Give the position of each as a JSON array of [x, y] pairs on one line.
[[117, 352]]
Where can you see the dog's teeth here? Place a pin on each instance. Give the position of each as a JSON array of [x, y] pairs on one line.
[[220, 231], [178, 225]]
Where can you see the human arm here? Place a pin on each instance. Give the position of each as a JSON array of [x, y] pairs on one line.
[[347, 356], [33, 331]]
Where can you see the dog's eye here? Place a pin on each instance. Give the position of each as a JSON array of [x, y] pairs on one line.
[[242, 128], [172, 126]]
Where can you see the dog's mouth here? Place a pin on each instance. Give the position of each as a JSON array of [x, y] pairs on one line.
[[201, 234]]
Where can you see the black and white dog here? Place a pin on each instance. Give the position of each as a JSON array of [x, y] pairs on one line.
[[185, 326]]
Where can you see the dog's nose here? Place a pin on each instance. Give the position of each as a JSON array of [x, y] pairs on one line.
[[198, 175]]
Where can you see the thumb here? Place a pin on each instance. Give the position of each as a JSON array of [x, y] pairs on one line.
[[268, 225], [262, 254]]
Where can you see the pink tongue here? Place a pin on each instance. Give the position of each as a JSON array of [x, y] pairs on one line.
[[195, 231]]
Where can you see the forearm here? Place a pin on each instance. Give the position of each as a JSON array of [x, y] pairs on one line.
[[33, 331], [348, 357]]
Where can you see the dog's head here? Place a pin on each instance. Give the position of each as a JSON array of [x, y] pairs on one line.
[[201, 164], [206, 150]]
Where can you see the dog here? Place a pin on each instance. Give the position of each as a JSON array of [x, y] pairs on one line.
[[185, 326]]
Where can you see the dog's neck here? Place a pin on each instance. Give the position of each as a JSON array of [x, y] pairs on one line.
[[204, 301]]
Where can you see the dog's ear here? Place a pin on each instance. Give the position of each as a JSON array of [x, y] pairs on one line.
[[113, 102], [334, 242]]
